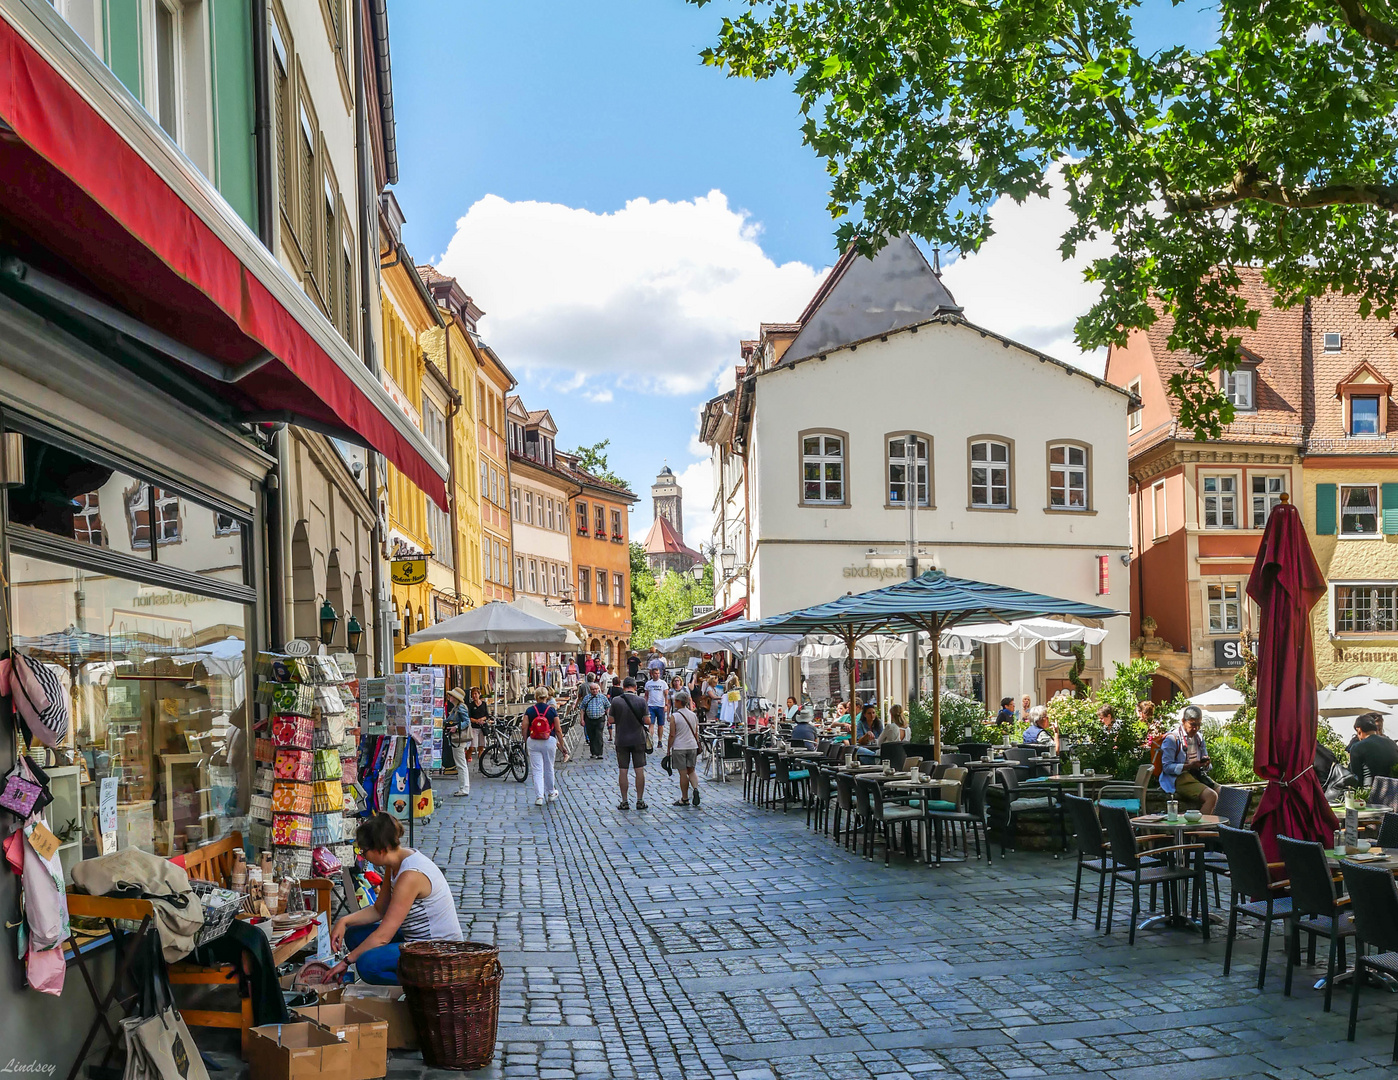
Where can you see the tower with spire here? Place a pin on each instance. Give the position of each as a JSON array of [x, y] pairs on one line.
[[665, 546]]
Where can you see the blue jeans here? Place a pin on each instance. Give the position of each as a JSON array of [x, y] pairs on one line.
[[377, 966]]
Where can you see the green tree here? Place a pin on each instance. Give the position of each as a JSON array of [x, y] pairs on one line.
[[1274, 147], [671, 600], [594, 459]]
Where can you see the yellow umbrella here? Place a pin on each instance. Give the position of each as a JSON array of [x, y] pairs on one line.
[[445, 652]]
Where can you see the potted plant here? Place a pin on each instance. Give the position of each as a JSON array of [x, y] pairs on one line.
[[1356, 798]]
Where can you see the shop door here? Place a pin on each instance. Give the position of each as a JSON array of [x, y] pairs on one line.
[[1053, 686]]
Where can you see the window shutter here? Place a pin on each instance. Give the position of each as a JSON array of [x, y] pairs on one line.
[[1390, 509], [1325, 509]]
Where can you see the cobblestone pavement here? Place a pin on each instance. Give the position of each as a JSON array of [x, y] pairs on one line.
[[731, 942]]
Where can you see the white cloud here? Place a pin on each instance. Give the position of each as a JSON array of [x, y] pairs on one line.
[[599, 397], [655, 296], [1018, 284], [697, 484]]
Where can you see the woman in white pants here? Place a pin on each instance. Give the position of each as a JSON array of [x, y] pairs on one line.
[[461, 740], [541, 737]]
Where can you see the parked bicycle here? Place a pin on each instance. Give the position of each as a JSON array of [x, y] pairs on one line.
[[502, 752]]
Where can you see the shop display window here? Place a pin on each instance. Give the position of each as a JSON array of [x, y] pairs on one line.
[[158, 690]]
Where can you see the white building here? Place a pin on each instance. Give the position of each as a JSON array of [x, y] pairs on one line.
[[1021, 476]]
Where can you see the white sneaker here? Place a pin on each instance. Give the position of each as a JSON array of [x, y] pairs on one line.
[[466, 792], [538, 802], [553, 795]]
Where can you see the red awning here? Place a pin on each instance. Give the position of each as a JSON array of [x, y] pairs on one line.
[[79, 201], [732, 611]]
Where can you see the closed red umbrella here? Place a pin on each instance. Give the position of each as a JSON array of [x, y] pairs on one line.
[[1285, 584]]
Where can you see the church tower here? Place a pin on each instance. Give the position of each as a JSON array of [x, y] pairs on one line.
[[667, 499]]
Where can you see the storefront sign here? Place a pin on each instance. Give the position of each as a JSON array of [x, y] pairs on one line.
[[878, 573], [1228, 653], [409, 571], [1104, 575], [443, 608], [701, 609], [107, 813], [1366, 656]]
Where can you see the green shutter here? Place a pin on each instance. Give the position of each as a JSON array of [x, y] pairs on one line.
[[121, 26], [1325, 509], [235, 151], [1390, 509]]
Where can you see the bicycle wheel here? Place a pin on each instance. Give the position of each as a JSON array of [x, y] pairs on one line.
[[495, 761], [519, 763]]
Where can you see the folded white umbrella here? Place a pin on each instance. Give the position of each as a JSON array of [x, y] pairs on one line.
[[497, 627]]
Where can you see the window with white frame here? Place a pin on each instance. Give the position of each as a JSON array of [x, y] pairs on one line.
[[1366, 609], [1220, 501], [1133, 418], [616, 525], [548, 505], [1238, 388], [1363, 415], [1067, 476], [519, 572], [555, 574], [533, 576], [898, 471], [168, 77], [601, 586], [87, 520], [514, 503], [618, 587], [499, 563], [823, 469], [1225, 607], [584, 585], [1334, 342], [990, 474], [1359, 510], [1160, 526], [1266, 494], [439, 533], [528, 508], [485, 562]]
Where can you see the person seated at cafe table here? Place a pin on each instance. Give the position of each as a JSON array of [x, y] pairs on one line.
[[804, 731], [867, 730], [1107, 716], [1040, 729], [896, 730], [1184, 761], [1006, 715], [1372, 753]]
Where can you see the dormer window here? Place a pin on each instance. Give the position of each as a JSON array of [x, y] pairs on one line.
[[1238, 388], [1363, 395], [1363, 415], [1334, 342]]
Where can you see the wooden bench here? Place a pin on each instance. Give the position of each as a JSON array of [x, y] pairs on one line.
[[214, 862]]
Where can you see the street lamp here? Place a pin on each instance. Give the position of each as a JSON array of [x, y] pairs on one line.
[[728, 556], [354, 634], [329, 619], [698, 571]]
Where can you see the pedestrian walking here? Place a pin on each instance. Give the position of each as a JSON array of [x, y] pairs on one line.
[[633, 739], [541, 727], [684, 747], [458, 727], [594, 712], [657, 701]]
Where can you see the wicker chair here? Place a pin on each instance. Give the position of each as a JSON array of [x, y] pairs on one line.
[[845, 804], [1138, 870], [1129, 797], [822, 794], [1374, 900], [1315, 909], [1254, 893], [880, 816], [972, 816], [792, 783], [1016, 803]]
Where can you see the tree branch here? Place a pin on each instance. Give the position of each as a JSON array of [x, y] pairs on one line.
[[1300, 197], [1359, 19]]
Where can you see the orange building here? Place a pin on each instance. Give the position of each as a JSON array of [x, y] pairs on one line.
[[493, 384], [601, 543]]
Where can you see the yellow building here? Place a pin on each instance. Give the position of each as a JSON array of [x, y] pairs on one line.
[[451, 355], [409, 313]]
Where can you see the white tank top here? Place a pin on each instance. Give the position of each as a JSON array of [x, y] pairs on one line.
[[432, 917]]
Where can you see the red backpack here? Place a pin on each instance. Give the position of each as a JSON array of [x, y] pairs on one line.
[[539, 725]]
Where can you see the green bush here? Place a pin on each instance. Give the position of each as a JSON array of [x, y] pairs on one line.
[[963, 720]]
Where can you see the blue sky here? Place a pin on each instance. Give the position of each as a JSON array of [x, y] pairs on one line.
[[588, 144]]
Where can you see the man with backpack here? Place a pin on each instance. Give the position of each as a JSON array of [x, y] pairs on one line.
[[633, 739], [542, 738], [594, 707]]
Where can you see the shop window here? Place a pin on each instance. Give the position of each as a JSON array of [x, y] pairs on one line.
[[1365, 609], [990, 467], [822, 469], [155, 677], [1225, 608], [1266, 495], [1359, 510], [898, 468], [87, 520], [1068, 481], [1220, 501], [582, 519]]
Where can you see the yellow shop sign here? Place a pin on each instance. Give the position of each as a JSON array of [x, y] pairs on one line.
[[409, 571]]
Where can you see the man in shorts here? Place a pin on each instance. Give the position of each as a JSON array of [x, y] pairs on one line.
[[632, 720], [657, 700]]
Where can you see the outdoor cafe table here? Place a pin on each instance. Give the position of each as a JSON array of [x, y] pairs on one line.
[[1176, 829], [1083, 780]]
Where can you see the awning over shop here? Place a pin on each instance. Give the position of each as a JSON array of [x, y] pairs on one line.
[[96, 203], [732, 611]]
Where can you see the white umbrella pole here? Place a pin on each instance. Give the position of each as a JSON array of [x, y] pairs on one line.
[[1021, 676]]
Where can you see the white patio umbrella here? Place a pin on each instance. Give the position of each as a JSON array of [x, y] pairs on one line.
[[545, 613], [1222, 700], [1025, 634]]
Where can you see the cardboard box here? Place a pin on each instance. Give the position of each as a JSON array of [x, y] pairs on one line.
[[296, 1051], [385, 1003], [365, 1035]]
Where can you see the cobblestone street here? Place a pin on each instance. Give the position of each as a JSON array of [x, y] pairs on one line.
[[730, 942]]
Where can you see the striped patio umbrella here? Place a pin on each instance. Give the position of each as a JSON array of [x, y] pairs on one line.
[[931, 604]]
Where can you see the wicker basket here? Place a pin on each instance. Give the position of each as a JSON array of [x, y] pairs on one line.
[[453, 992]]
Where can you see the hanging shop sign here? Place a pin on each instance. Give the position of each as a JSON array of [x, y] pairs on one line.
[[1228, 652], [409, 571]]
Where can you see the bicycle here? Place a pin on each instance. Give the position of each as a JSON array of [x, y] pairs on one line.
[[501, 752]]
